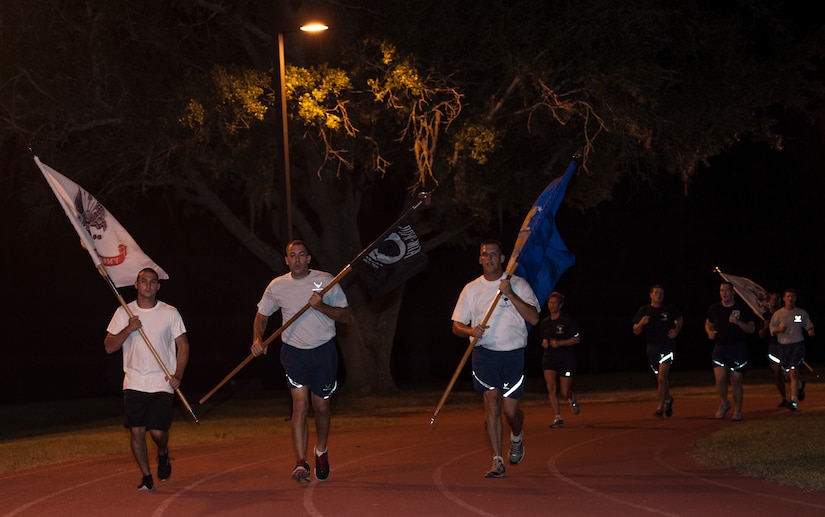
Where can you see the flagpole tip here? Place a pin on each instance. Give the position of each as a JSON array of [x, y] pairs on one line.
[[426, 197]]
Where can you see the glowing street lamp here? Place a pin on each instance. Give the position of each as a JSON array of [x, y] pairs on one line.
[[282, 128], [314, 27]]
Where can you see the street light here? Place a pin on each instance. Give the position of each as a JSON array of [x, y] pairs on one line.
[[282, 128]]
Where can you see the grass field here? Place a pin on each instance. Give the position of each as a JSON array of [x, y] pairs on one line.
[[52, 432]]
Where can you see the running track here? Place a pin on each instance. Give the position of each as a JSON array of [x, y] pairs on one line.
[[612, 459]]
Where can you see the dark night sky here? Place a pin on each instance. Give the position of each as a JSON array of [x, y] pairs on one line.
[[753, 212]]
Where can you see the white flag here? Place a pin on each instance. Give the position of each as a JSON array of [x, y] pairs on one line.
[[754, 294], [107, 242]]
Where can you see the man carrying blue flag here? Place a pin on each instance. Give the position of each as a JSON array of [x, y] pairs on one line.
[[539, 257], [498, 354]]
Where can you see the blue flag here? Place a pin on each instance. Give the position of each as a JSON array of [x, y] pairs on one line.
[[540, 251]]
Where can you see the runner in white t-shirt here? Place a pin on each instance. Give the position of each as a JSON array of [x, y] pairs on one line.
[[309, 356], [498, 354], [147, 392]]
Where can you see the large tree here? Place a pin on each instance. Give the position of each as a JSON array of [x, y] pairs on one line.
[[486, 101]]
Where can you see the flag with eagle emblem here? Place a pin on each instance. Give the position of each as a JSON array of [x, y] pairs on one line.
[[107, 242]]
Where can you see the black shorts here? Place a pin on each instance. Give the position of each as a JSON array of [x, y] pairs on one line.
[[562, 360], [775, 353], [792, 355], [733, 357], [149, 410], [659, 353]]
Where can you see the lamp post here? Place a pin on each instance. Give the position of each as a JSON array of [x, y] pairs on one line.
[[282, 128]]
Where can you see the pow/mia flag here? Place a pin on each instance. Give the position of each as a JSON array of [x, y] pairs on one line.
[[393, 260]]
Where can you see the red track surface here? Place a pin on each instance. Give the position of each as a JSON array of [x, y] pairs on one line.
[[612, 459]]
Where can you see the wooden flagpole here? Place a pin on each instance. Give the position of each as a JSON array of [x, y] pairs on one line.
[[277, 333], [423, 197], [125, 306]]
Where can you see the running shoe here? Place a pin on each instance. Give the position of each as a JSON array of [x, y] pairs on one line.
[[669, 407], [164, 466], [792, 405], [497, 471], [321, 466], [801, 396], [574, 405], [301, 471], [516, 451], [723, 410], [659, 413], [558, 422], [784, 403], [737, 417], [146, 484]]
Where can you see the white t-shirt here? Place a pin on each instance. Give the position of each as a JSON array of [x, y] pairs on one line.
[[161, 324], [313, 328], [795, 322], [508, 330]]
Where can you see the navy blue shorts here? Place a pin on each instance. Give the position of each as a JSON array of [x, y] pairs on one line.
[[502, 370], [792, 355], [733, 357], [316, 368], [149, 410], [660, 353]]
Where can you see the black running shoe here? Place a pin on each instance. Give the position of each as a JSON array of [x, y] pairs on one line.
[[322, 466], [574, 405], [146, 484], [669, 407], [723, 410], [164, 466], [784, 403], [801, 396], [301, 471]]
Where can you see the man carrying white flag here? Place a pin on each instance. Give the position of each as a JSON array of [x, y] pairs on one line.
[[752, 293], [148, 385], [107, 242]]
